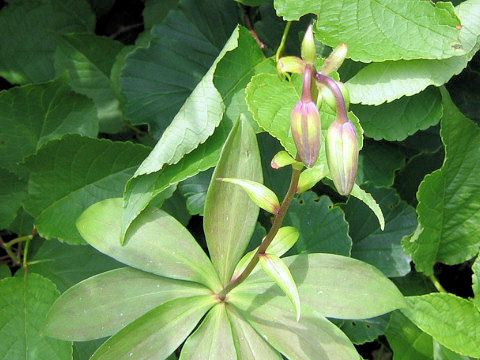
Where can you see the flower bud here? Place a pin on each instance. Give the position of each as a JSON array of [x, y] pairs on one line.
[[290, 64], [306, 128], [308, 46], [335, 59], [283, 158], [329, 98], [342, 155]]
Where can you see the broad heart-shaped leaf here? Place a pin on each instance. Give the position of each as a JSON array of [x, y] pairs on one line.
[[476, 282], [449, 198], [70, 174], [12, 192], [168, 163], [32, 115], [313, 337], [230, 214], [279, 272], [335, 286], [88, 59], [156, 243], [156, 81], [449, 319], [382, 249], [23, 56], [378, 163], [248, 343], [67, 265], [103, 304], [158, 333], [23, 306], [397, 120], [213, 338], [322, 227]]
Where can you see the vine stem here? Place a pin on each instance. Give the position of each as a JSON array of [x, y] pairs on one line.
[[436, 283], [281, 47], [9, 251], [17, 240], [277, 223], [332, 85]]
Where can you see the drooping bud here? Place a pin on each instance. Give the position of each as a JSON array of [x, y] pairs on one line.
[[335, 59], [305, 123], [342, 154], [308, 46], [290, 64], [329, 98]]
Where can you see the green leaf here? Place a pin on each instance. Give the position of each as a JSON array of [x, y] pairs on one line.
[[85, 349], [26, 52], [449, 200], [476, 282], [258, 193], [5, 271], [156, 10], [378, 163], [336, 286], [195, 190], [364, 196], [24, 304], [278, 271], [103, 304], [67, 265], [32, 115], [449, 319], [213, 338], [248, 343], [12, 192], [158, 333], [230, 215], [322, 227], [310, 177], [70, 174], [397, 120], [362, 331], [313, 337], [88, 60], [156, 81], [168, 163], [156, 243], [381, 249]]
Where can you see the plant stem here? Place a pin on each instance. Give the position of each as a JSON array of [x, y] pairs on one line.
[[332, 85], [17, 240], [277, 223], [437, 284], [9, 251], [25, 254], [281, 47]]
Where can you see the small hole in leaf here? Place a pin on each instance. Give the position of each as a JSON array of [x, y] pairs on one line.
[[354, 323], [368, 325], [317, 200], [300, 202]]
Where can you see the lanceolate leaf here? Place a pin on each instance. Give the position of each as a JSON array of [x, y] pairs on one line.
[[158, 333], [26, 52], [335, 286], [156, 243], [212, 340], [103, 304], [88, 60], [166, 164], [23, 306], [449, 319], [44, 112], [230, 215], [70, 174], [476, 282], [449, 200], [279, 272]]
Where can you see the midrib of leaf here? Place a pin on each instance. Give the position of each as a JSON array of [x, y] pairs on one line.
[[47, 114], [25, 315]]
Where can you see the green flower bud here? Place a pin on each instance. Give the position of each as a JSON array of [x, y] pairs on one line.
[[335, 59], [290, 64], [308, 46], [306, 128], [282, 158], [342, 155], [329, 98]]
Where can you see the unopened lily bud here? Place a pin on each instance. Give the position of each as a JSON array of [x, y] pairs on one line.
[[342, 155], [335, 59], [306, 128], [329, 98], [308, 46], [290, 64]]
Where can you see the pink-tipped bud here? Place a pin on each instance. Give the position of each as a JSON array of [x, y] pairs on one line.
[[335, 59], [342, 155], [306, 129], [308, 50], [290, 64]]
